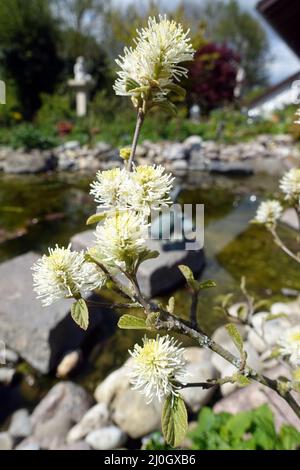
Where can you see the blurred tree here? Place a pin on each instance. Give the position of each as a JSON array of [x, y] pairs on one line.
[[121, 24], [212, 78], [28, 49], [227, 22], [83, 16]]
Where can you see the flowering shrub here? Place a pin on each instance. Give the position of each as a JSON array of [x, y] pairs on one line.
[[126, 197]]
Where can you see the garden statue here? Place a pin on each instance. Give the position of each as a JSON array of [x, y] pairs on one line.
[[81, 83], [80, 74]]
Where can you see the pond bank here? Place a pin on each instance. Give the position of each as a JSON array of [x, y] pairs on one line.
[[267, 153]]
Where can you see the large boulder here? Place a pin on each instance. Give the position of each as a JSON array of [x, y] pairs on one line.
[[41, 335], [63, 406], [36, 161]]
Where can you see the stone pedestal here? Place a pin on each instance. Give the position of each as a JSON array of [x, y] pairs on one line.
[[82, 89]]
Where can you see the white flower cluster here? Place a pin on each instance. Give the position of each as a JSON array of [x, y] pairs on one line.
[[268, 212], [289, 345], [158, 366], [120, 240], [145, 188], [64, 274], [290, 185], [155, 59]]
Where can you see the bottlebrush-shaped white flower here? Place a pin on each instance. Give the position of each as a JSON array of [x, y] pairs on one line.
[[268, 212], [158, 367], [154, 62], [289, 345], [108, 187], [63, 274], [150, 188], [290, 185], [121, 239]]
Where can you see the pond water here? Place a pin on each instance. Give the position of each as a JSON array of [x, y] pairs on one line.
[[39, 211]]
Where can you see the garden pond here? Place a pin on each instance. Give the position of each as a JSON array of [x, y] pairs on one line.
[[42, 210]]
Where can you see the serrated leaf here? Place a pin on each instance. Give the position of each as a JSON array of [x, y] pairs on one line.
[[130, 322], [236, 337], [131, 84], [174, 420], [80, 313], [96, 218]]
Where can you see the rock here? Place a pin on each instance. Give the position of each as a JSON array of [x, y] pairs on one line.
[[159, 274], [83, 240], [96, 417], [81, 445], [35, 161], [6, 442], [102, 148], [69, 362], [71, 145], [193, 143], [133, 415], [114, 383], [30, 443], [63, 406], [20, 425], [265, 334], [107, 438], [179, 166], [53, 432], [40, 335], [252, 397], [6, 375], [199, 369], [236, 168], [9, 357], [65, 398], [175, 151]]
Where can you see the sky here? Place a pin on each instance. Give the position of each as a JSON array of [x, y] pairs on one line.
[[284, 62]]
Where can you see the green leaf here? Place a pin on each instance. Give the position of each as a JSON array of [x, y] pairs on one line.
[[236, 337], [131, 84], [189, 277], [167, 107], [174, 420], [80, 313], [207, 284], [95, 218], [130, 322], [171, 305], [241, 380], [148, 254], [177, 90], [274, 316]]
